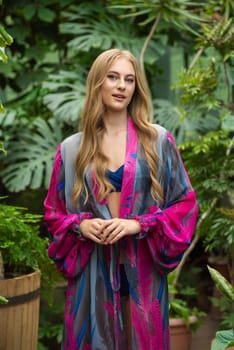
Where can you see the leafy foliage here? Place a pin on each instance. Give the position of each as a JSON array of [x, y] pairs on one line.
[[218, 34], [65, 97], [179, 303], [30, 156], [197, 86], [223, 340], [175, 13], [104, 31], [5, 40], [184, 123], [22, 247], [222, 226], [226, 303]]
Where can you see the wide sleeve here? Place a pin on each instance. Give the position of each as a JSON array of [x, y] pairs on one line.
[[69, 250], [169, 229]]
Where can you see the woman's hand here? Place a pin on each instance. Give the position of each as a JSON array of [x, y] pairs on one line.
[[93, 229], [117, 228], [108, 231]]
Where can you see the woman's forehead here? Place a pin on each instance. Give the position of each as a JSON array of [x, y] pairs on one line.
[[122, 65]]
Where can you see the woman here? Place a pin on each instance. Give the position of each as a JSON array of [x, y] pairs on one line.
[[121, 211]]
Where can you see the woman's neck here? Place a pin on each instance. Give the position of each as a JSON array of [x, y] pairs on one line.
[[115, 123]]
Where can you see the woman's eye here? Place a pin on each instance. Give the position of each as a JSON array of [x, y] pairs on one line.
[[130, 80], [112, 77]]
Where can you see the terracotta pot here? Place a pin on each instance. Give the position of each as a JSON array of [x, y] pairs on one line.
[[20, 317], [180, 334]]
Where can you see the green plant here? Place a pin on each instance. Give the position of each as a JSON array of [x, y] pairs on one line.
[[224, 338], [220, 241], [180, 303], [21, 247], [3, 300], [5, 40], [30, 155]]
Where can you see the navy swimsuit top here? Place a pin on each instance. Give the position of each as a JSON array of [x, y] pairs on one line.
[[116, 178]]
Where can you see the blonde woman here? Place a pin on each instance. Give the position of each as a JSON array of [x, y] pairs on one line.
[[121, 211]]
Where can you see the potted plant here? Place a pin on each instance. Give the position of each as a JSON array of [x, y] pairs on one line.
[[184, 318], [224, 339], [23, 266]]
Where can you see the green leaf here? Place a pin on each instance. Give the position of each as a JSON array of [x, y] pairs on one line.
[[46, 14], [228, 122], [29, 11], [2, 149], [3, 300], [66, 95], [3, 56], [223, 339], [6, 37], [103, 32], [222, 284], [184, 125], [29, 161]]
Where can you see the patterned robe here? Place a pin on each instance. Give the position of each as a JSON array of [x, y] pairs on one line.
[[94, 312]]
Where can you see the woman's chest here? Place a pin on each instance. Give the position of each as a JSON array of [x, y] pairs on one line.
[[114, 148]]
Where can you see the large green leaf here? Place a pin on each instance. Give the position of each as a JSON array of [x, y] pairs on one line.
[[29, 160], [177, 13], [103, 31], [66, 93], [223, 340], [182, 124]]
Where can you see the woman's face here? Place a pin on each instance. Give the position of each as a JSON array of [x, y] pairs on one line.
[[119, 85]]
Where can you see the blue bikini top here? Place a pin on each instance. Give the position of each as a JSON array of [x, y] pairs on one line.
[[116, 178]]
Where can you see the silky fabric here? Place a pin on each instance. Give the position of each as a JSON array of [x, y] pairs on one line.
[[94, 312], [116, 178]]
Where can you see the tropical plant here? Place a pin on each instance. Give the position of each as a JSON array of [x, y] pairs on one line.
[[30, 156], [224, 338], [22, 250], [180, 305], [23, 253], [5, 40]]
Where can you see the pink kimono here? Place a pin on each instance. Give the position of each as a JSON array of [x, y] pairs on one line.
[[94, 317]]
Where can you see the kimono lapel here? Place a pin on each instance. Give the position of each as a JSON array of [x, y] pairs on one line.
[[127, 199]]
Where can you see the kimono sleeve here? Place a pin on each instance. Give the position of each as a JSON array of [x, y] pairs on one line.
[[69, 250], [169, 229]]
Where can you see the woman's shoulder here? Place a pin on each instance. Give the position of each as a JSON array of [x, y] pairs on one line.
[[73, 139], [70, 145], [160, 129], [164, 136]]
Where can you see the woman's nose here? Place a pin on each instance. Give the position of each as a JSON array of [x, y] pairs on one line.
[[121, 83]]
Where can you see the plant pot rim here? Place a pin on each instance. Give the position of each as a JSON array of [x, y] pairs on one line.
[[180, 321], [30, 273]]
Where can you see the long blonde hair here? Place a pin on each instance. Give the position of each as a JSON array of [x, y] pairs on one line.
[[139, 110]]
